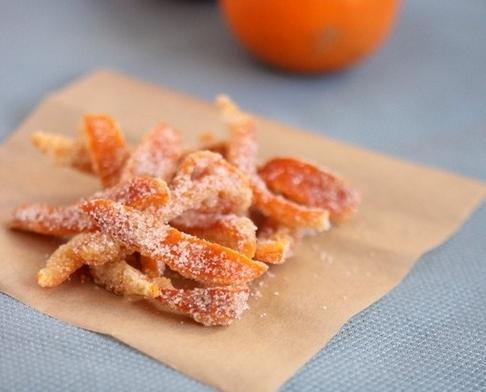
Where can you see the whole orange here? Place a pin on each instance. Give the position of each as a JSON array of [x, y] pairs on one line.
[[310, 35]]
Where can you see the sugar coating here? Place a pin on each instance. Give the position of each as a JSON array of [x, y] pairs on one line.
[[232, 231], [242, 152], [122, 279], [311, 185], [275, 242], [50, 220], [156, 155], [286, 211], [242, 148], [192, 257], [63, 151], [139, 192], [106, 147], [206, 182], [209, 306], [86, 248]]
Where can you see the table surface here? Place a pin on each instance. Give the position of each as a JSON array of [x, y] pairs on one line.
[[422, 98]]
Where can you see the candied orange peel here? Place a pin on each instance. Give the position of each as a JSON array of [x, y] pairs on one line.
[[233, 231], [310, 185], [192, 257], [241, 151], [106, 147], [156, 155], [63, 151], [138, 192], [187, 230]]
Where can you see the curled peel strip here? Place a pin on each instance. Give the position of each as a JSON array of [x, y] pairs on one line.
[[232, 231], [86, 248], [275, 242], [63, 151], [139, 192], [208, 183], [190, 256], [241, 152], [310, 185], [209, 306], [123, 279], [275, 249], [156, 155], [286, 212], [106, 147]]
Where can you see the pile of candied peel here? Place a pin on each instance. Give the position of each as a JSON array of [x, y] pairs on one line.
[[187, 230]]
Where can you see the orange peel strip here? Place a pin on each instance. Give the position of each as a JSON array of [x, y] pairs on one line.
[[209, 306], [242, 148], [63, 151], [235, 232], [287, 212], [274, 250], [106, 147], [121, 278], [310, 185], [191, 257], [241, 152], [275, 242], [139, 192], [156, 155], [50, 220], [151, 267], [208, 183], [86, 248]]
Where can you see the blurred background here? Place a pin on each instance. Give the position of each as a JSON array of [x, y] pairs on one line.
[[422, 96]]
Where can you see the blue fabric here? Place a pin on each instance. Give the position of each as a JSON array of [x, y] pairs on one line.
[[423, 98]]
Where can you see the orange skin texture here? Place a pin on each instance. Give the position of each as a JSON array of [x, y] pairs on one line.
[[272, 251], [106, 146], [231, 231], [139, 192], [310, 185], [203, 261], [209, 306], [310, 36]]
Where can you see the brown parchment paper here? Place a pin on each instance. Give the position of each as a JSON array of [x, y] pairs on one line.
[[407, 209]]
